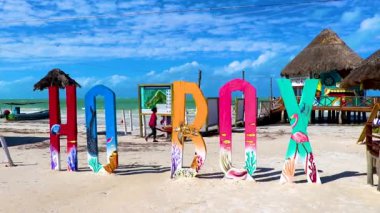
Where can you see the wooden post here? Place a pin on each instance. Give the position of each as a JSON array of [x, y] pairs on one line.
[[312, 116], [337, 117], [125, 123], [333, 116], [368, 141], [141, 125], [140, 111], [286, 116], [6, 151], [340, 120], [199, 78], [144, 125], [328, 114], [378, 174], [283, 116], [369, 168], [271, 89], [130, 120], [358, 117], [348, 117], [323, 115]]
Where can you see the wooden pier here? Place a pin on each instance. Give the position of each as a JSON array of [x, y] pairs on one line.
[[339, 110]]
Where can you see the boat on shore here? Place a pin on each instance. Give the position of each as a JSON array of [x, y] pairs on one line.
[[15, 115], [28, 116]]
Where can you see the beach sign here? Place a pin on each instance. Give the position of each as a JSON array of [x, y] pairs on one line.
[[299, 145], [57, 129], [91, 129], [182, 130], [225, 124]]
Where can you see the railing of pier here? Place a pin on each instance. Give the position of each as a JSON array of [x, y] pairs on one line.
[[344, 101]]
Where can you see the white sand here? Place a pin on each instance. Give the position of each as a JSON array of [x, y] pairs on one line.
[[143, 184]]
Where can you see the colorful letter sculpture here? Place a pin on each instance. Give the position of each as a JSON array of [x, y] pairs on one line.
[[225, 123], [91, 129], [57, 129], [181, 130], [299, 145]]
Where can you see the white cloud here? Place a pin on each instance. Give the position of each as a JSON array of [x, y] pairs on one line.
[[263, 58], [113, 80], [104, 6], [180, 72], [370, 23], [80, 7], [238, 66], [134, 4], [17, 81], [155, 35], [151, 73], [116, 79], [87, 81], [350, 16], [183, 68]]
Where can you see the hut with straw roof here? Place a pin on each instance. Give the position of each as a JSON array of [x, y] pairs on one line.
[[55, 77], [367, 75], [327, 58]]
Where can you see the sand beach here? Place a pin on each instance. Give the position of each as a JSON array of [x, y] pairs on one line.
[[265, 82], [142, 182]]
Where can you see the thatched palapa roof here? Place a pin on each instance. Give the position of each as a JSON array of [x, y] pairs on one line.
[[367, 74], [55, 77], [326, 53]]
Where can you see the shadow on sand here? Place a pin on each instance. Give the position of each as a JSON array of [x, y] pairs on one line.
[[345, 174], [140, 169], [262, 174], [17, 141]]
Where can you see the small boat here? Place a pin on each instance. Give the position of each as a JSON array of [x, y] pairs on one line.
[[17, 116], [28, 116]]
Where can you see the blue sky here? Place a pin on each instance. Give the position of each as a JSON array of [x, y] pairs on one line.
[[124, 43]]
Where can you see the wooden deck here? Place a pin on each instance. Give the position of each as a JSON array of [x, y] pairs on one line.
[[349, 109], [344, 108]]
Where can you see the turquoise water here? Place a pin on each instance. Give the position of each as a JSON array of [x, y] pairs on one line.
[[44, 104], [121, 103]]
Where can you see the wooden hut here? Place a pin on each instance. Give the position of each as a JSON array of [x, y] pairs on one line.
[[327, 58], [367, 74]]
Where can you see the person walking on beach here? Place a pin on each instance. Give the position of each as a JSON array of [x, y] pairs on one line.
[[152, 125]]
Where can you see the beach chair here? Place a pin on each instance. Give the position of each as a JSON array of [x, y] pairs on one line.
[[166, 127], [375, 111], [373, 154], [6, 151]]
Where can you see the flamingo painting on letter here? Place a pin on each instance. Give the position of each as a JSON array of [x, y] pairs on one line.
[[298, 137]]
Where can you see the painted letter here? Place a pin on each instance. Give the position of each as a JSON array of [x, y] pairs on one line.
[[182, 130], [57, 129], [225, 124], [91, 129], [299, 145]]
